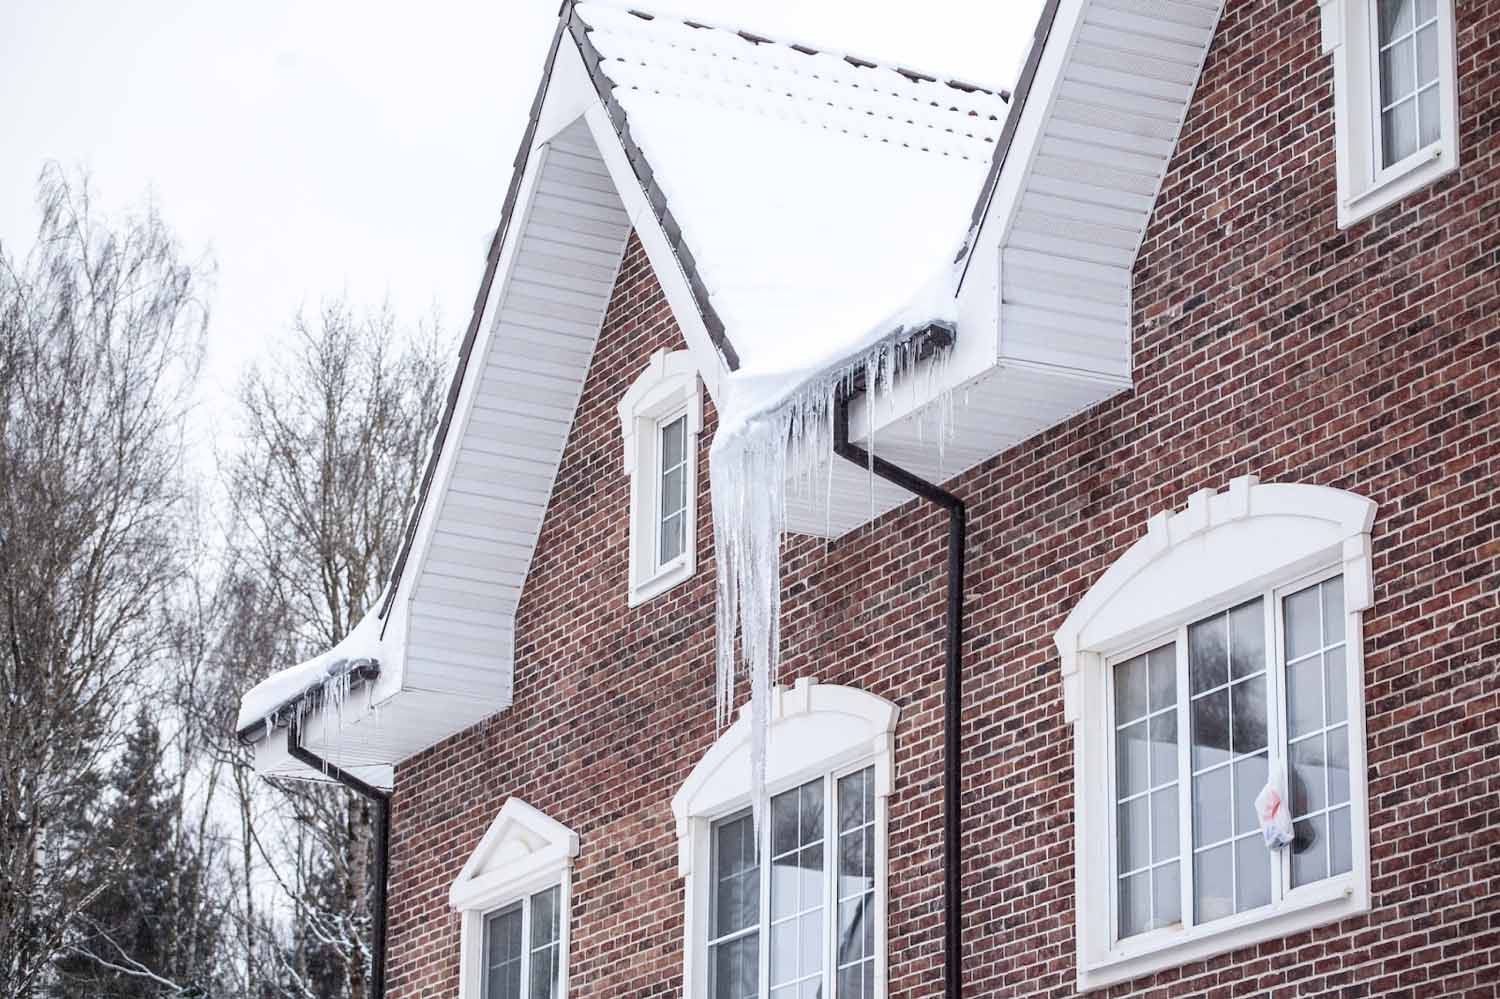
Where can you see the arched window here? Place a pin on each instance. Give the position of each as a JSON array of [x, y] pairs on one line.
[[1220, 654], [797, 907]]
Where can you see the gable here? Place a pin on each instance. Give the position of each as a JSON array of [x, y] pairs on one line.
[[520, 846]]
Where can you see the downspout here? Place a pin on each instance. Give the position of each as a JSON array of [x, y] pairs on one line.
[[382, 802], [952, 682]]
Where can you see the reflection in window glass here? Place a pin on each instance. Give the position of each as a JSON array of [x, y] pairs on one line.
[[734, 938], [672, 519], [856, 885], [502, 954], [1227, 671]]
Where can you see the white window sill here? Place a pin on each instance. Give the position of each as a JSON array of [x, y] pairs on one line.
[[1420, 169], [678, 570], [1304, 909]]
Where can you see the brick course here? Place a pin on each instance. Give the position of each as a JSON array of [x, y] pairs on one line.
[[1267, 341]]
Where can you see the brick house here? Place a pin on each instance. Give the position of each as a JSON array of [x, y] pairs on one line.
[[1222, 354]]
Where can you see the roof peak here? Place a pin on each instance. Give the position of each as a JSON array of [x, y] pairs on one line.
[[913, 74]]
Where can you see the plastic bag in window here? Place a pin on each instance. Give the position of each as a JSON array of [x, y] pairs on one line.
[[1275, 818]]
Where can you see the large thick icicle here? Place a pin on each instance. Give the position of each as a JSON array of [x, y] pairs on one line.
[[785, 438]]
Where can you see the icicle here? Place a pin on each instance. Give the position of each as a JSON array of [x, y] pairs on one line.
[[749, 468]]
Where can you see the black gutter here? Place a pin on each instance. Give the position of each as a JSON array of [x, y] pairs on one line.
[[952, 682], [382, 802]]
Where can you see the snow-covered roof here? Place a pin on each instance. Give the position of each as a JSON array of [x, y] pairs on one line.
[[329, 676], [817, 194]]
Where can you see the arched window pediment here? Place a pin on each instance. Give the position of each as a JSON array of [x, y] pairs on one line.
[[1221, 544]]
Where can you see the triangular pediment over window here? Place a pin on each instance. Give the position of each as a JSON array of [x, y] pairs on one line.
[[522, 845]]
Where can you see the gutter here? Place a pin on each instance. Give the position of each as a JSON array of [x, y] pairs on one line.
[[382, 802], [952, 681]]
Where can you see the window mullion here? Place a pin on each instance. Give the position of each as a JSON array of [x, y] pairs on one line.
[[524, 972], [1276, 671], [1184, 782], [763, 872], [830, 885]]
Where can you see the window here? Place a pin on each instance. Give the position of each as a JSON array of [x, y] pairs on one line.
[[513, 894], [818, 900], [1396, 100], [661, 416], [521, 945], [1218, 655], [801, 912]]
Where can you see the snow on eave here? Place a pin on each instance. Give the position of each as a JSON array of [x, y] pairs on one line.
[[323, 680]]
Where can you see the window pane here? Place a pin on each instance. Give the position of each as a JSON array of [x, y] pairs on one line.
[[1166, 894], [797, 882], [1252, 873], [1333, 610], [1135, 904], [1163, 748], [1212, 807], [1309, 776], [1338, 765], [1426, 10], [1338, 690], [1210, 715], [1340, 847], [1309, 851], [1304, 697], [1250, 775], [1135, 834], [673, 495], [1397, 72], [544, 929], [673, 438], [1213, 880], [1248, 700], [1130, 690], [1208, 664], [543, 974], [1132, 753], [1395, 18], [735, 968], [736, 877], [1247, 639], [1427, 55], [1164, 828], [502, 954], [1304, 629], [1398, 129], [1429, 114], [1163, 677]]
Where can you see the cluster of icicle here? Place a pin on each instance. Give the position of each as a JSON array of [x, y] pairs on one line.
[[330, 692], [789, 444]]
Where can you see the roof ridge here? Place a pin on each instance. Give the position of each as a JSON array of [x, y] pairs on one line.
[[913, 74]]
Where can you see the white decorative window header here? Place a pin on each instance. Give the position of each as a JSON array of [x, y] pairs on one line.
[[661, 417], [1223, 545]]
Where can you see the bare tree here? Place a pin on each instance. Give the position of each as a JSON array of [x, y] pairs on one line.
[[101, 331], [333, 437]]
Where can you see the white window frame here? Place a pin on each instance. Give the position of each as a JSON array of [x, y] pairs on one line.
[[1365, 186], [817, 730], [1250, 540], [668, 388], [522, 853]]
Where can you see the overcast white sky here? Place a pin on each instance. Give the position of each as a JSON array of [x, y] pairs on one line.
[[315, 147]]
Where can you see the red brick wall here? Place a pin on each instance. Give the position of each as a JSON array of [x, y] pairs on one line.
[[1266, 341]]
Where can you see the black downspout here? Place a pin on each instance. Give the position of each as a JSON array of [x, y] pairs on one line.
[[382, 800], [952, 682]]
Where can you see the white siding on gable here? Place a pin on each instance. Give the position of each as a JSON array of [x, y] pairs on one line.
[[544, 322], [1066, 263]]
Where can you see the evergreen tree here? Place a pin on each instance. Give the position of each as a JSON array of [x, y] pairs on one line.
[[149, 932]]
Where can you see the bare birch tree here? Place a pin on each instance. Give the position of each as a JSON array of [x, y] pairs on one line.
[[101, 330], [333, 436]]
